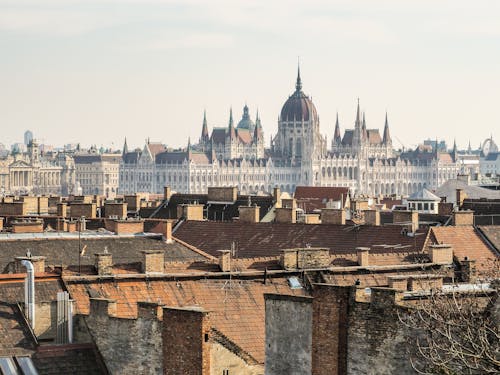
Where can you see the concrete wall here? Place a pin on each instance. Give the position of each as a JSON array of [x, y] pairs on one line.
[[128, 346], [288, 335]]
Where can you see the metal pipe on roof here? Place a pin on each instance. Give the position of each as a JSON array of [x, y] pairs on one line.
[[29, 292]]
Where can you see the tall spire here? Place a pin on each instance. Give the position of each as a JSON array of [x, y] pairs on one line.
[[336, 134], [387, 135], [125, 147], [204, 129], [469, 149], [298, 84], [232, 132], [358, 116]]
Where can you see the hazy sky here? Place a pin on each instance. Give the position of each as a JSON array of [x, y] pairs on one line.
[[97, 71]]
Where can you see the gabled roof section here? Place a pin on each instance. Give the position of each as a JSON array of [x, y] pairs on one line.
[[374, 137], [266, 239], [466, 242], [424, 195]]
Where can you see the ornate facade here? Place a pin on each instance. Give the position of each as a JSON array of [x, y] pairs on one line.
[[33, 173], [361, 159]]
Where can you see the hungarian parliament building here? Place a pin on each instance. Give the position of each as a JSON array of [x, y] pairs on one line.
[[235, 155]]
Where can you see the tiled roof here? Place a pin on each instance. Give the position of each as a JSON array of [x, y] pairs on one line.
[[244, 136], [492, 232], [170, 157], [374, 137], [131, 157], [348, 135], [236, 307], [449, 190], [267, 239], [218, 135], [466, 242], [64, 251], [155, 148], [15, 337]]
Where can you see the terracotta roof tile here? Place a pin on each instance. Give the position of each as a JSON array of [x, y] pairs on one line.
[[466, 242]]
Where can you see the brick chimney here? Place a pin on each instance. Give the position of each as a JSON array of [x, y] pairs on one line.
[[363, 254], [277, 196], [62, 209], [372, 217], [149, 310], [37, 261], [1, 223], [102, 306], [190, 211], [463, 218], [441, 254], [104, 264], [167, 192], [398, 282], [286, 215], [153, 261], [332, 216], [406, 217], [425, 282], [168, 232], [225, 260], [249, 214], [461, 195]]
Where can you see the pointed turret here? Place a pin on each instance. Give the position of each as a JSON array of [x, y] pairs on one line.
[[298, 84], [357, 135], [258, 133], [469, 149], [204, 129], [336, 135], [387, 135], [125, 147], [364, 132], [232, 131]]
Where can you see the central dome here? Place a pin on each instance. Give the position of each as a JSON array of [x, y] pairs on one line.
[[299, 106], [246, 122]]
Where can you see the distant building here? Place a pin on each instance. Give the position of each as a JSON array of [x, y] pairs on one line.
[[489, 161], [98, 174], [362, 160], [28, 137]]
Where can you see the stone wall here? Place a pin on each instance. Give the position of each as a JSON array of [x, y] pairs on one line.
[[128, 346], [288, 334]]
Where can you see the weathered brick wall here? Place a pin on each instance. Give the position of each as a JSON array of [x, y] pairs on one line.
[[222, 194], [186, 349], [249, 214], [31, 204], [118, 210], [372, 217], [128, 226], [441, 254], [128, 346], [83, 209], [406, 217], [313, 258], [62, 209], [13, 209], [288, 334], [190, 211], [376, 339], [312, 219], [133, 201], [27, 227], [332, 216], [285, 215], [329, 332], [153, 261], [43, 205], [463, 218]]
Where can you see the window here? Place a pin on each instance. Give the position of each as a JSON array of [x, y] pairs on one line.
[[225, 372]]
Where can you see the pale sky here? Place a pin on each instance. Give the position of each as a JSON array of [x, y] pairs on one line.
[[98, 71]]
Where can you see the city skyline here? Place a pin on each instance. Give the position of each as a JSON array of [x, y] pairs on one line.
[[96, 72]]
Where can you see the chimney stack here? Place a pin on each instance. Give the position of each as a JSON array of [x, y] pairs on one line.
[[104, 263], [332, 216], [461, 195], [372, 217], [167, 193], [363, 253], [441, 254], [225, 260], [249, 214], [463, 218], [168, 232], [153, 261], [38, 263]]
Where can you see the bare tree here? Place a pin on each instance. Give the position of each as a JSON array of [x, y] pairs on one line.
[[455, 330]]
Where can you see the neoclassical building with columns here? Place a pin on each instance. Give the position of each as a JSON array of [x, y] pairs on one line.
[[33, 173], [362, 159]]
